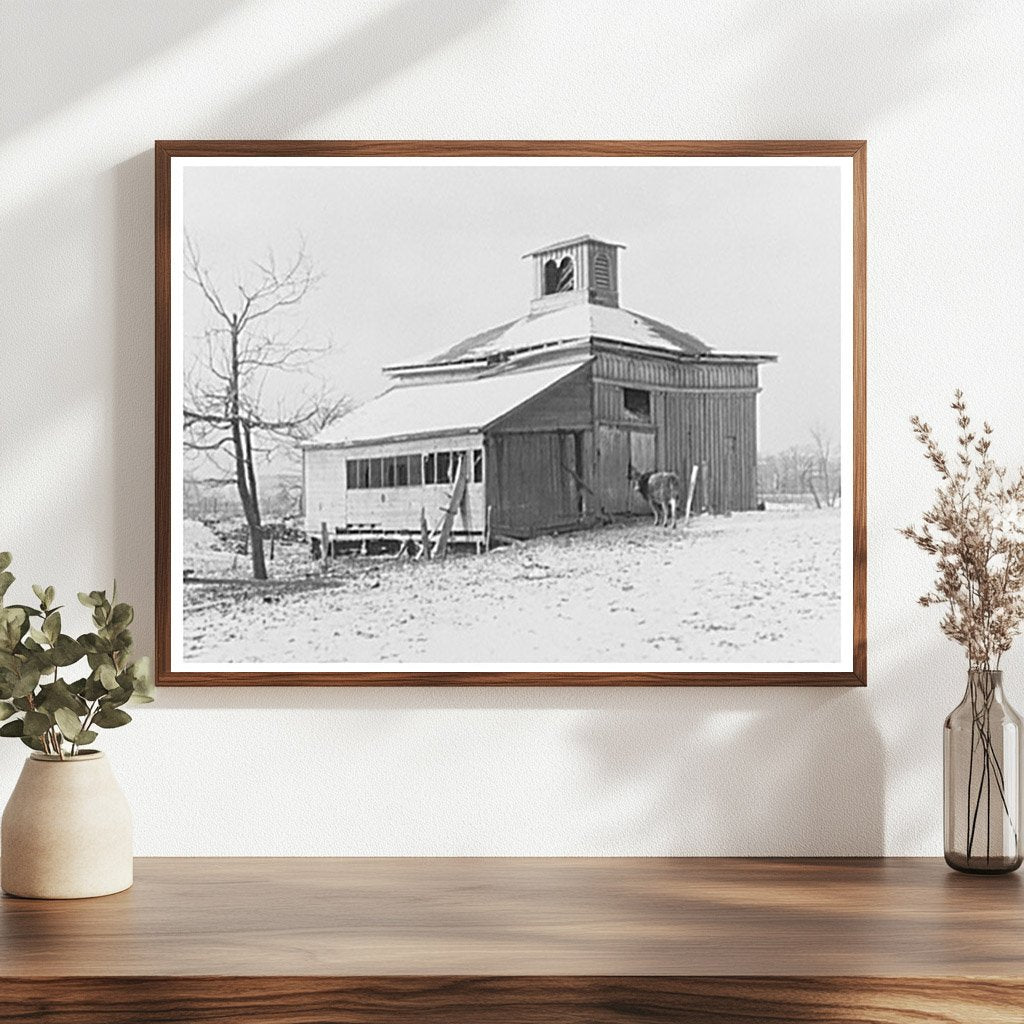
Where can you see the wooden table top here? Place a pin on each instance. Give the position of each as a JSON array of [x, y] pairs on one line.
[[527, 916]]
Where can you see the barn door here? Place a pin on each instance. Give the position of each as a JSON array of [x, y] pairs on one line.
[[613, 455], [531, 483], [643, 460]]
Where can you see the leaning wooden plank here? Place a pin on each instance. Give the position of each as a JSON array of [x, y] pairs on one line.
[[581, 483], [441, 545], [689, 495]]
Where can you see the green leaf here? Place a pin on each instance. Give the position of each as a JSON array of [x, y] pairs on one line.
[[86, 736], [51, 626], [66, 651], [107, 676], [142, 682], [122, 616], [89, 600], [115, 698], [6, 710], [94, 644], [27, 681], [38, 635], [36, 723], [59, 695], [94, 689], [5, 559], [13, 624], [50, 595], [13, 728], [30, 741], [6, 579], [69, 723], [29, 611], [40, 592], [108, 718]]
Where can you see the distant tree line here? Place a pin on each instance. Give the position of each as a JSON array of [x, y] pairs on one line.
[[808, 471]]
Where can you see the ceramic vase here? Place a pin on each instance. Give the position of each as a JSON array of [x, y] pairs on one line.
[[66, 832]]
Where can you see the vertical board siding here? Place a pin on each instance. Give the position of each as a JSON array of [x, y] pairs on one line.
[[702, 412], [564, 406], [529, 487], [324, 471]]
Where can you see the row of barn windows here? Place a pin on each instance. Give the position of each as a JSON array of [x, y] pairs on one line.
[[559, 275], [410, 470]]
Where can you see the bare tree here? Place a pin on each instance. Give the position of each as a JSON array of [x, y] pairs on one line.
[[227, 417], [825, 459]]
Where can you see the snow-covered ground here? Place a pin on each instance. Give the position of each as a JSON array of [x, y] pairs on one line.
[[752, 587]]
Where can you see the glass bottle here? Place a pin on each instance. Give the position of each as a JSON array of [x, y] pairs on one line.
[[981, 773]]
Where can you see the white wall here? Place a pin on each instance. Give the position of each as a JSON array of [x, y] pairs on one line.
[[937, 89]]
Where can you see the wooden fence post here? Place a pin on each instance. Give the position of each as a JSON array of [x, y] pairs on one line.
[[689, 493], [323, 546]]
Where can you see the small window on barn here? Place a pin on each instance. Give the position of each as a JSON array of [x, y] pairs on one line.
[[566, 275], [602, 272], [429, 468], [402, 471], [550, 277], [351, 474], [390, 473], [478, 465], [444, 463], [636, 403], [376, 472], [415, 470]]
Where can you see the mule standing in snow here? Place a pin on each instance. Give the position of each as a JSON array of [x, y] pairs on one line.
[[661, 492]]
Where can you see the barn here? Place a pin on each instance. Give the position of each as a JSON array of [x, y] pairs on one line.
[[532, 427]]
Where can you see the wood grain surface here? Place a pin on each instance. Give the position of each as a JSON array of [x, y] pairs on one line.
[[564, 940], [166, 150]]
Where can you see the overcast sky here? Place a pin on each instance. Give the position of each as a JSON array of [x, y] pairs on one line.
[[416, 258]]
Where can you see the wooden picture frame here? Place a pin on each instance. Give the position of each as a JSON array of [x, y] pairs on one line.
[[849, 156]]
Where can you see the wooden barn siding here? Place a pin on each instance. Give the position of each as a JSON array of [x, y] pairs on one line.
[[693, 425], [398, 508], [324, 478], [651, 371], [564, 406], [328, 500], [527, 488]]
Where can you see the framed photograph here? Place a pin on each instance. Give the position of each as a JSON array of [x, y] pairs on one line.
[[493, 413]]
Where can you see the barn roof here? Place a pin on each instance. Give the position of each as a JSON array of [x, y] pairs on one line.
[[580, 320], [449, 407], [566, 242]]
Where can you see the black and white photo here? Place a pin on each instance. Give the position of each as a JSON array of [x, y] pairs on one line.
[[511, 414]]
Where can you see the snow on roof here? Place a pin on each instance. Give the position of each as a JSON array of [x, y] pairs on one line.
[[579, 320], [566, 242], [450, 407]]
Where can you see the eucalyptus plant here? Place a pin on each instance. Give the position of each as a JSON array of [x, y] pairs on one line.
[[37, 704]]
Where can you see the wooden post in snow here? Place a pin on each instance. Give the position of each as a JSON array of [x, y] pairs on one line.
[[323, 546], [689, 493], [424, 551], [441, 545]]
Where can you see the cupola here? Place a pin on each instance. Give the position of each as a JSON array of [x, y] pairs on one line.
[[578, 270]]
